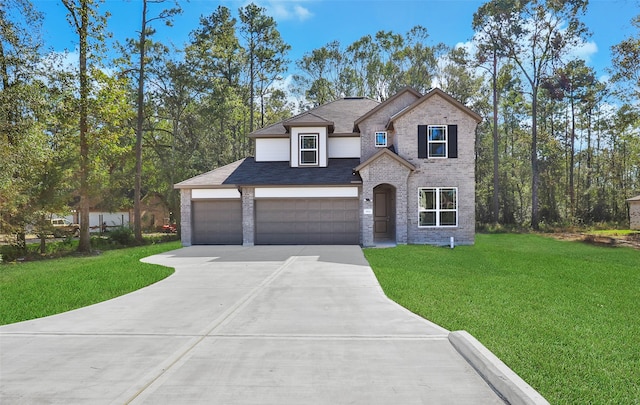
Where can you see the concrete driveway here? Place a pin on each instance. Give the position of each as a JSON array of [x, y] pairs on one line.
[[241, 325]]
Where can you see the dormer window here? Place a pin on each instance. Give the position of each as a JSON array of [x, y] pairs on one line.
[[309, 149], [381, 139]]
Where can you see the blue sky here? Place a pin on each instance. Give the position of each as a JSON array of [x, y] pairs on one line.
[[309, 24]]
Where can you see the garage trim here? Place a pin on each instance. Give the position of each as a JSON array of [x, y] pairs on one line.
[[306, 192], [208, 193]]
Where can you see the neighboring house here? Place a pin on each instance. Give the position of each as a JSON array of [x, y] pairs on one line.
[[353, 171], [634, 212]]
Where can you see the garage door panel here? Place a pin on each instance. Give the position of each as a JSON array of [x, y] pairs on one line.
[[307, 221], [217, 222]]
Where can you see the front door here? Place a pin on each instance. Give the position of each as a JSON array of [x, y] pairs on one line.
[[382, 213]]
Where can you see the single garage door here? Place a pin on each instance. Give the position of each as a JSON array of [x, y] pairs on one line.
[[217, 222], [312, 221]]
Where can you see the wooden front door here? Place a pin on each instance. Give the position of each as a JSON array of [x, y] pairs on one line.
[[382, 218]]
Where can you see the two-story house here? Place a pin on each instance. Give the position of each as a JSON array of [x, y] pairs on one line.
[[353, 171]]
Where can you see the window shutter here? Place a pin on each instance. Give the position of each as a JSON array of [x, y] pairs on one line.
[[422, 141], [452, 141]]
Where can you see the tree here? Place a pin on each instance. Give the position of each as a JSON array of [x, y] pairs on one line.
[[626, 61], [22, 103], [533, 34], [488, 51], [87, 23], [576, 82], [321, 69], [266, 53], [418, 62], [145, 31]]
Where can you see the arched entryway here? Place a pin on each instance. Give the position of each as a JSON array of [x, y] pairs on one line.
[[384, 213]]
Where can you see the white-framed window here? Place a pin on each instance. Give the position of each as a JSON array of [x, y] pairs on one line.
[[438, 206], [381, 139], [308, 149], [437, 141]]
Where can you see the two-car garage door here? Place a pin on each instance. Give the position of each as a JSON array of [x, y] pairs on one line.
[[285, 221], [307, 221]]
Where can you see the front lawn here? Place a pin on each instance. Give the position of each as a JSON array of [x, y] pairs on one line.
[[36, 289], [563, 315]]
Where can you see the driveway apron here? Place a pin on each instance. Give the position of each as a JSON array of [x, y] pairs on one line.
[[241, 325]]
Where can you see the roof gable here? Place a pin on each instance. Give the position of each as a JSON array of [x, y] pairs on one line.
[[406, 90], [308, 119], [385, 152], [428, 96]]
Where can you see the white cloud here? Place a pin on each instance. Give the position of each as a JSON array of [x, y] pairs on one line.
[[302, 13], [469, 46], [585, 51], [283, 10]]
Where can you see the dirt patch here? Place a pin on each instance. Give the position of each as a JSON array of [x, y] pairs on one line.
[[632, 241]]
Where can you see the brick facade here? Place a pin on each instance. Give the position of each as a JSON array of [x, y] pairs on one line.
[[458, 172], [396, 169], [453, 172], [185, 216], [378, 121], [384, 170], [248, 217]]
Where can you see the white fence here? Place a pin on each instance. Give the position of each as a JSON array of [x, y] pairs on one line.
[[111, 219]]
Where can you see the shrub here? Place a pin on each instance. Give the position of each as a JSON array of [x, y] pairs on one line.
[[122, 236], [11, 253]]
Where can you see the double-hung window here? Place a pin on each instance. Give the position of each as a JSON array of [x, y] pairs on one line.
[[437, 141], [438, 206], [308, 149], [381, 139]]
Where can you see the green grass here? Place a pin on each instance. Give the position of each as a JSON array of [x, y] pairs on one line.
[[36, 289], [563, 315]]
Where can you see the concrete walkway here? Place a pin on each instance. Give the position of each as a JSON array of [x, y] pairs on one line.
[[240, 325]]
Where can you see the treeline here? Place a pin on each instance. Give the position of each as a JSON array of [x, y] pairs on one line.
[[557, 146]]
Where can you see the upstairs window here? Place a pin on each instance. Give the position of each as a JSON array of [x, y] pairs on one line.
[[381, 139], [308, 149], [437, 141], [438, 207]]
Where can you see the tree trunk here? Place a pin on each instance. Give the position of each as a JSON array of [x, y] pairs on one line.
[[572, 189], [535, 176], [84, 245], [137, 193], [496, 173]]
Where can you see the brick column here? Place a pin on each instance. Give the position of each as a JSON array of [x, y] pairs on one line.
[[185, 216], [248, 216]]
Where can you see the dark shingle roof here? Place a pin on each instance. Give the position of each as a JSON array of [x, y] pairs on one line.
[[250, 172], [215, 177], [342, 113]]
